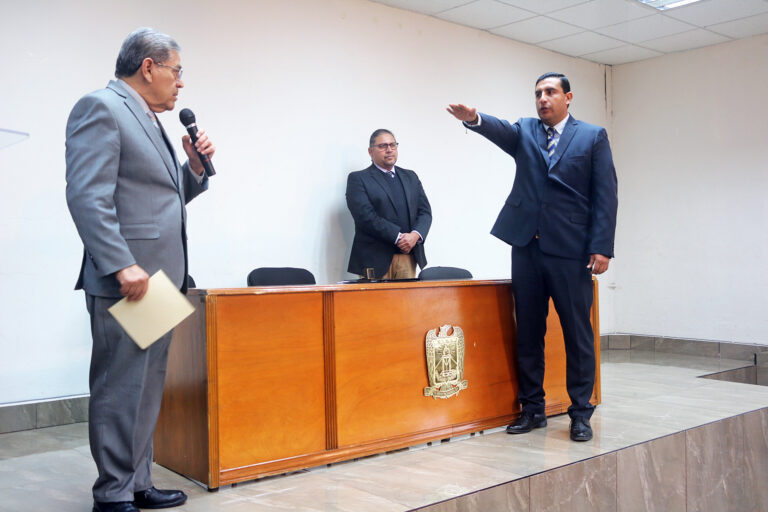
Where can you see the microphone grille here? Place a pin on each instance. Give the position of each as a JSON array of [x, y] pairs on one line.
[[186, 117]]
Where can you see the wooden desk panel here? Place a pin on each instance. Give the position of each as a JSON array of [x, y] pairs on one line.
[[381, 367], [271, 398]]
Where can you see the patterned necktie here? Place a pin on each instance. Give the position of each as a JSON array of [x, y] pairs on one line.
[[551, 145], [391, 174]]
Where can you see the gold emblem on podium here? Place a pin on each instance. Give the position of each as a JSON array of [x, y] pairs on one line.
[[445, 362]]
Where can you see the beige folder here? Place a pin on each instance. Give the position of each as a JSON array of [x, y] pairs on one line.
[[161, 309]]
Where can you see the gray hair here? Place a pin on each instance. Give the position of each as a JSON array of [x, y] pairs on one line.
[[142, 43], [375, 135]]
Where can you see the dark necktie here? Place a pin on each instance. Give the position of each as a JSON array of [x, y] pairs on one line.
[[169, 147], [391, 174], [165, 138]]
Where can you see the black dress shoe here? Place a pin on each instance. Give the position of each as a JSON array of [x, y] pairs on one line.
[[114, 506], [527, 422], [155, 498], [580, 429]]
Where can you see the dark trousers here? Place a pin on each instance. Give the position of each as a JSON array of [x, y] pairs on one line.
[[126, 385], [535, 278]]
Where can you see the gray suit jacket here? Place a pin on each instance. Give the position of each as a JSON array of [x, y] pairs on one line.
[[126, 192]]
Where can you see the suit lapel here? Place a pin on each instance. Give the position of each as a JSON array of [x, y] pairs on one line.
[[152, 132], [174, 160], [379, 177], [406, 181], [541, 142], [565, 138]]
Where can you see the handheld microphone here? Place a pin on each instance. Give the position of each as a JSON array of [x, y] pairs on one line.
[[187, 118]]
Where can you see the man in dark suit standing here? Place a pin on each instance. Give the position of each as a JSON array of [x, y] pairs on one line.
[[127, 193], [560, 220], [392, 214]]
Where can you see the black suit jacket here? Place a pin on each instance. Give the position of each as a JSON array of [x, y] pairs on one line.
[[570, 200], [373, 209]]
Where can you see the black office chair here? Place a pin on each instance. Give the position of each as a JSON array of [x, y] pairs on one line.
[[435, 273], [275, 276], [190, 282]]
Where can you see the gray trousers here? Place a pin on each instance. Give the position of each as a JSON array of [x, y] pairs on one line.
[[126, 385]]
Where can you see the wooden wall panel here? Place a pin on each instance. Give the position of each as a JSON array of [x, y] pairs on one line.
[[271, 387]]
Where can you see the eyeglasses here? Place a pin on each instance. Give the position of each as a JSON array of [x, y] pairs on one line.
[[384, 146], [177, 71]]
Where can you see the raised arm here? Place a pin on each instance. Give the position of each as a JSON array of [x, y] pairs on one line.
[[499, 131], [463, 113]]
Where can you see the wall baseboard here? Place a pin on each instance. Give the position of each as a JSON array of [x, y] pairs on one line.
[[49, 413], [705, 348]]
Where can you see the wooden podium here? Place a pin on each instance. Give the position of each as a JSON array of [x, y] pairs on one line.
[[266, 380]]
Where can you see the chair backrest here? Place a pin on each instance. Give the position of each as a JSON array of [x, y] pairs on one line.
[[275, 276], [434, 273], [190, 282]]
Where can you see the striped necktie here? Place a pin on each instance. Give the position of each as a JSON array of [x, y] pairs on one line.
[[551, 144]]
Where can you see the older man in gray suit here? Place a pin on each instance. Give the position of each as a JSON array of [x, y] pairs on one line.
[[127, 193]]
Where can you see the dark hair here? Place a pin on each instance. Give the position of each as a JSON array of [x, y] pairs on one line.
[[564, 83], [376, 134], [142, 43]]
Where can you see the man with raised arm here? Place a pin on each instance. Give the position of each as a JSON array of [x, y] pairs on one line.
[[560, 220]]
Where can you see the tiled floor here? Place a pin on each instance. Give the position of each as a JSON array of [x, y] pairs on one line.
[[646, 395]]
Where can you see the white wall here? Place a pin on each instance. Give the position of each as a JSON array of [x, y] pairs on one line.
[[289, 90], [690, 132]]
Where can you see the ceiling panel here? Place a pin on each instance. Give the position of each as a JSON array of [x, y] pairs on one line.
[[579, 44], [717, 11], [621, 55], [745, 27], [687, 40], [617, 31], [424, 6], [543, 6], [485, 14], [601, 13], [642, 29], [536, 30]]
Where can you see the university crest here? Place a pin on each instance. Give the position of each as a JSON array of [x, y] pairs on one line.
[[445, 362]]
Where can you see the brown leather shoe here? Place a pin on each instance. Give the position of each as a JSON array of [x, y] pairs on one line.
[[154, 498], [527, 422]]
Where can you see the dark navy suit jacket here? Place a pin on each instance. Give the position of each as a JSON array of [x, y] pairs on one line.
[[570, 200], [370, 202]]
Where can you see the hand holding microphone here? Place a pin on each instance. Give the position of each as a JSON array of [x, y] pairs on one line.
[[187, 118]]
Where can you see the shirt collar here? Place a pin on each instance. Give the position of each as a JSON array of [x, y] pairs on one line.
[[561, 125], [384, 170], [135, 95]]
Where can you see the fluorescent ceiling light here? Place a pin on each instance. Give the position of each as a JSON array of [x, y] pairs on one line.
[[663, 5]]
